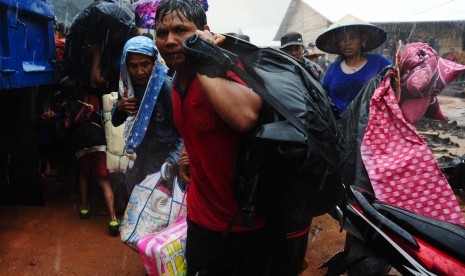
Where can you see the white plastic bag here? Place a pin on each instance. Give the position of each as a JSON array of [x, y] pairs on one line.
[[154, 203]]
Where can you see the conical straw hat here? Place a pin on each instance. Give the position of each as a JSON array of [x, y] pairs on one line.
[[328, 40]]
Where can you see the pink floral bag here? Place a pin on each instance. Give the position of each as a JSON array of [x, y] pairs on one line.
[[163, 252], [423, 76]]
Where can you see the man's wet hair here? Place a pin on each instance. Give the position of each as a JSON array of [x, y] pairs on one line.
[[189, 9]]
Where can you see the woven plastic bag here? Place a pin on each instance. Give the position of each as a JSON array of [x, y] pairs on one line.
[[117, 161], [154, 204], [163, 253]]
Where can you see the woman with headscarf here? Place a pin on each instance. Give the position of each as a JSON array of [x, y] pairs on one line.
[[351, 38], [145, 108]]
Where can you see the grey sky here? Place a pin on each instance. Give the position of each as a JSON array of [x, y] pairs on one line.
[[230, 15]]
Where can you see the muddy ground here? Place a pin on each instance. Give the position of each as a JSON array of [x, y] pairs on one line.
[[446, 139], [52, 240]]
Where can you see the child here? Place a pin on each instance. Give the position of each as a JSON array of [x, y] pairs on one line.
[[81, 121]]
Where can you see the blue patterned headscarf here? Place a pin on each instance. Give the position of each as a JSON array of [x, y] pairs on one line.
[[136, 126]]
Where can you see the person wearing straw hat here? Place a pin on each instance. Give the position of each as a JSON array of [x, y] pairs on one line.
[[351, 39], [311, 54], [318, 58]]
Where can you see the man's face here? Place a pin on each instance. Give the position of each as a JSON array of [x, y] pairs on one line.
[[171, 32], [139, 68], [294, 50]]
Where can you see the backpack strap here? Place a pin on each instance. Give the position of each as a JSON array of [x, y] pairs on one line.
[[81, 111], [89, 106]]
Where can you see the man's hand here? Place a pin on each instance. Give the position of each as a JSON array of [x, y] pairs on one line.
[[215, 39], [48, 115], [183, 164], [205, 57]]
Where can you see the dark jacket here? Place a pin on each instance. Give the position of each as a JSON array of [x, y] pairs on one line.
[[161, 141], [314, 69]]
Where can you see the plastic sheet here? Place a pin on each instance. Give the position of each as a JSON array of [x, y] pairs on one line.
[[110, 22]]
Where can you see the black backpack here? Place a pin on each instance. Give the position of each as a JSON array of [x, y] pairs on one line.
[[83, 125], [287, 167]]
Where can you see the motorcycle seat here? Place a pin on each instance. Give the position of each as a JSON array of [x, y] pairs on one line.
[[448, 237]]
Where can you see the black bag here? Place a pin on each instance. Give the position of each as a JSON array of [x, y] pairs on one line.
[[86, 126], [352, 125], [288, 165], [108, 21]]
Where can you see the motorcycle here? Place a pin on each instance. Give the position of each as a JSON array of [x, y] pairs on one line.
[[413, 244]]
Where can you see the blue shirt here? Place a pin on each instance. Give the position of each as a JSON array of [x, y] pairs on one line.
[[342, 87]]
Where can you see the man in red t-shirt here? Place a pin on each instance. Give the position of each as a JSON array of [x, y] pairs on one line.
[[211, 114]]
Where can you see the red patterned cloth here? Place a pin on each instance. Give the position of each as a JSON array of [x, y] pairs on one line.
[[423, 76], [401, 168]]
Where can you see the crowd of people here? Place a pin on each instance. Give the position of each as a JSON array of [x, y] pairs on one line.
[[169, 107]]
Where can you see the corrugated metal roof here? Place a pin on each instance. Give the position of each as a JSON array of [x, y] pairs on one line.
[[382, 11]]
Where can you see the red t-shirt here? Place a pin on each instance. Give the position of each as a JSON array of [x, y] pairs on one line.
[[59, 48], [212, 147]]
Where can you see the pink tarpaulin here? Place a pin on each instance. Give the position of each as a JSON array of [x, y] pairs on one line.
[[401, 168]]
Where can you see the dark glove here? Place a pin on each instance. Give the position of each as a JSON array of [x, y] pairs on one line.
[[206, 58]]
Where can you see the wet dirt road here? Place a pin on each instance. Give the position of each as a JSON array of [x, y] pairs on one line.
[[52, 240]]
